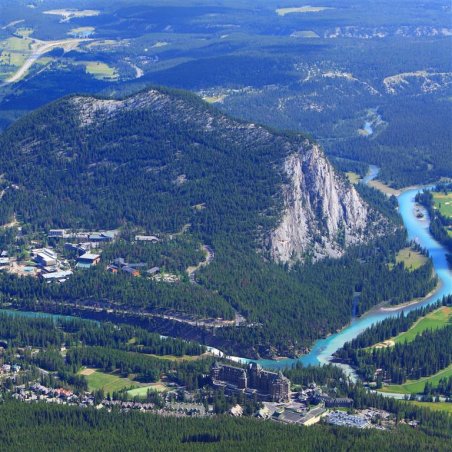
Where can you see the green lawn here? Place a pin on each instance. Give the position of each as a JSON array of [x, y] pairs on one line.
[[443, 203], [177, 358], [417, 386], [143, 391], [353, 177], [434, 320], [101, 71], [411, 259], [435, 406], [109, 382]]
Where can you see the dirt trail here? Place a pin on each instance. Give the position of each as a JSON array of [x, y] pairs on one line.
[[210, 255]]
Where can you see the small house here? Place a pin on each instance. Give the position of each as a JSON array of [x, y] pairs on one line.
[[131, 271], [153, 271]]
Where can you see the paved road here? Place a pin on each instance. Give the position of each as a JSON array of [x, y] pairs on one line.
[[67, 44]]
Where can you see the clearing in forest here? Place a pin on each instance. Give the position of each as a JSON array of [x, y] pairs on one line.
[[301, 9], [417, 386]]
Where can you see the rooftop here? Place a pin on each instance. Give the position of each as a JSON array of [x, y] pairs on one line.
[[89, 256]]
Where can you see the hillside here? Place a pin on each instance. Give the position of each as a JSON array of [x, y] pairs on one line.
[[164, 161], [148, 159]]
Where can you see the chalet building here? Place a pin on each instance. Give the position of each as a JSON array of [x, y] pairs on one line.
[[131, 271], [252, 380], [153, 271]]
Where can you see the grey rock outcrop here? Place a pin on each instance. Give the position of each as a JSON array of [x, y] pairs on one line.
[[322, 215]]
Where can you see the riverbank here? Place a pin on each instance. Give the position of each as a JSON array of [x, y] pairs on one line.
[[390, 191], [322, 351], [412, 303]]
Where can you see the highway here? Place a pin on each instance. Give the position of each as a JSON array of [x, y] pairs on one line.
[[44, 47]]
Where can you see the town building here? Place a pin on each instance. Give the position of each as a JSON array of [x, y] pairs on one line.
[[45, 257], [147, 238], [342, 402], [60, 276], [87, 260], [252, 380]]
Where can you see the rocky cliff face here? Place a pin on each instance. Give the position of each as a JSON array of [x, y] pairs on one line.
[[322, 213]]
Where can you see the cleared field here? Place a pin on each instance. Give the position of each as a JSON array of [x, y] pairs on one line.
[[15, 44], [14, 52], [87, 371], [101, 71], [305, 34], [68, 14], [411, 259], [301, 9], [143, 391], [380, 186], [24, 32], [432, 321], [109, 382], [177, 358], [417, 386], [443, 203], [214, 99], [82, 32], [353, 177], [435, 406]]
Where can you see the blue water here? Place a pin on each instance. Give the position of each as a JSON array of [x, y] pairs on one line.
[[368, 128], [38, 315], [371, 174], [323, 349]]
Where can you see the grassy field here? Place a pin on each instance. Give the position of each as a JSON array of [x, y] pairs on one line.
[[82, 31], [100, 70], [411, 259], [24, 32], [305, 34], [380, 186], [177, 358], [214, 99], [443, 203], [417, 386], [109, 382], [13, 54], [435, 406], [301, 9], [353, 177], [143, 391], [434, 320]]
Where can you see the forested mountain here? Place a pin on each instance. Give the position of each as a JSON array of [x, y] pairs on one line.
[[165, 161], [162, 159]]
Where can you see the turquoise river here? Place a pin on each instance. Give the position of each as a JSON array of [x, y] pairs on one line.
[[323, 350]]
